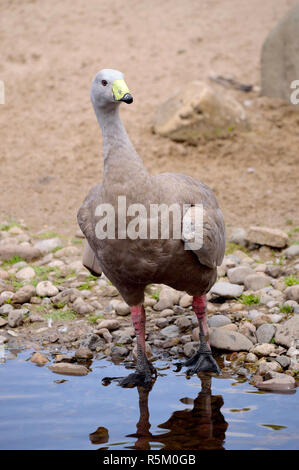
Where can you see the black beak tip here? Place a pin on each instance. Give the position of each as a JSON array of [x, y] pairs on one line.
[[127, 98]]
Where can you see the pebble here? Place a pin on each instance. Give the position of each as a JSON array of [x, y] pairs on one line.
[[267, 236], [292, 293], [238, 275], [218, 320], [83, 353], [122, 309], [186, 301], [238, 236], [287, 332], [15, 318], [265, 333], [3, 322], [25, 273], [191, 348], [284, 361], [266, 367], [277, 382], [168, 297], [250, 357], [249, 330], [273, 270], [119, 352], [68, 369], [256, 281], [24, 294], [39, 359], [292, 251], [227, 290], [6, 309], [108, 324], [81, 307], [229, 340], [162, 322], [170, 331], [263, 349], [46, 246], [3, 339], [183, 323], [46, 289]]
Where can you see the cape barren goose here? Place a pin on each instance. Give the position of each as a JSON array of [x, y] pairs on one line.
[[132, 260]]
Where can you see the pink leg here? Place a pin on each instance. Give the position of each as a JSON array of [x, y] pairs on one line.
[[138, 319], [199, 305], [144, 369]]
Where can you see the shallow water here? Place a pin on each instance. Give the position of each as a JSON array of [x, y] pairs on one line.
[[178, 413]]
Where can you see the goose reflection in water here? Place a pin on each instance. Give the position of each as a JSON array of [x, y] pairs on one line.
[[201, 428]]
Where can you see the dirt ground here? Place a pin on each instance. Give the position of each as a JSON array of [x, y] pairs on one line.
[[50, 154]]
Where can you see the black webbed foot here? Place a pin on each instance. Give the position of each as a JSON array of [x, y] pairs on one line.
[[202, 360]]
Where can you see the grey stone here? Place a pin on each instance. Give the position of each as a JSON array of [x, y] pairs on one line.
[[273, 270], [83, 353], [68, 369], [226, 289], [162, 322], [253, 314], [293, 304], [119, 352], [3, 322], [267, 236], [15, 318], [264, 349], [238, 275], [229, 340], [183, 323], [46, 289], [292, 251], [28, 253], [25, 273], [249, 330], [186, 300], [265, 333], [24, 294], [170, 331], [6, 309], [46, 246], [168, 297], [218, 320], [257, 281], [198, 110], [67, 295], [109, 324], [279, 64], [122, 309], [266, 367], [190, 348], [292, 293], [288, 332], [81, 307], [284, 361], [278, 382], [238, 236]]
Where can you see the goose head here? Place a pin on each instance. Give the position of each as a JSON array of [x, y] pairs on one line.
[[108, 87]]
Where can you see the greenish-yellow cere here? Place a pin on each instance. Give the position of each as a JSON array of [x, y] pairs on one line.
[[119, 89]]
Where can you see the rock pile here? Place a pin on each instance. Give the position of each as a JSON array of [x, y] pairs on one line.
[[53, 302]]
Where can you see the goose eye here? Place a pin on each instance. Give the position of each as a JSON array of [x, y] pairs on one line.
[[104, 82]]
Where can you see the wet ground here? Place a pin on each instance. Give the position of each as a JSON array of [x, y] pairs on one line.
[[43, 410]]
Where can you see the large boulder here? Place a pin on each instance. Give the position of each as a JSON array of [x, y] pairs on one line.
[[279, 58], [199, 111]]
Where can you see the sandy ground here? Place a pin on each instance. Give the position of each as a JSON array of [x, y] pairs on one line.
[[50, 154]]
